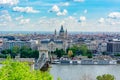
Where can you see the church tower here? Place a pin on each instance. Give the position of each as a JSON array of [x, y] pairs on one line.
[[61, 32], [55, 34], [66, 34]]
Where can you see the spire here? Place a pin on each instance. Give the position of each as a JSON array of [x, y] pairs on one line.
[[66, 34], [55, 33], [66, 30]]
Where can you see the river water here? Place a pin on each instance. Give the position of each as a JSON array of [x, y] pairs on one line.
[[78, 72]]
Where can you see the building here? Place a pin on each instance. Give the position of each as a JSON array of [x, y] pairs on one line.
[[91, 45], [113, 47], [11, 44], [52, 45], [59, 41], [62, 34], [102, 47]]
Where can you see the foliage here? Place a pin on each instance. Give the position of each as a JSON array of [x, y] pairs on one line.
[[89, 54], [84, 49], [15, 51], [59, 52], [117, 54], [58, 78], [106, 77], [25, 52], [14, 70], [80, 50], [70, 53], [104, 53]]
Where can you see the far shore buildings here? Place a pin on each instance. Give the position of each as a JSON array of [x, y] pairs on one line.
[[113, 47], [11, 44], [59, 41]]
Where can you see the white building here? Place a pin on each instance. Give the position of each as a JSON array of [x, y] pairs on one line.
[[11, 44], [52, 45]]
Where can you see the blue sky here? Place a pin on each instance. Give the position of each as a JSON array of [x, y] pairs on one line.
[[48, 15]]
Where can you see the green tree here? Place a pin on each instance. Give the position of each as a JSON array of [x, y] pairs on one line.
[[35, 54], [89, 54], [59, 52], [14, 70], [15, 51], [106, 77], [5, 53], [26, 52], [84, 49]]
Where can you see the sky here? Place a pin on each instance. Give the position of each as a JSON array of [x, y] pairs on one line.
[[48, 15]]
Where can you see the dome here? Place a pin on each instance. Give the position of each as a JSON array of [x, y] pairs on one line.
[[61, 30]]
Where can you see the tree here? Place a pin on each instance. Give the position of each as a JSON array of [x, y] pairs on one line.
[[24, 51], [15, 51], [70, 53], [59, 52], [14, 70], [5, 53], [106, 77], [83, 49], [89, 54]]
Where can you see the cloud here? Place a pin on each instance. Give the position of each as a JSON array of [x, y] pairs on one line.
[[19, 18], [111, 21], [62, 13], [64, 4], [25, 9], [113, 18], [82, 19], [114, 15], [101, 20], [85, 11], [79, 0], [24, 21], [58, 11], [5, 17], [55, 8], [10, 2]]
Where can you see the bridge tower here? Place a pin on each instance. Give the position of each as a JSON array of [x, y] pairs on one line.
[[43, 52]]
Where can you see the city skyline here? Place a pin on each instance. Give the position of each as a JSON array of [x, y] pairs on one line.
[[46, 15]]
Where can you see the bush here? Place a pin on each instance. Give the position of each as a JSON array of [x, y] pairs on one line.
[[106, 77], [14, 70]]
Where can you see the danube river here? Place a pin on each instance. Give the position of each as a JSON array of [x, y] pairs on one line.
[[78, 72]]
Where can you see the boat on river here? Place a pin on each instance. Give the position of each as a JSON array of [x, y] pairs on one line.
[[85, 62]]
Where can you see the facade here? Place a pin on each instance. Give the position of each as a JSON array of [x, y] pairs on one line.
[[91, 45], [113, 47], [102, 47], [57, 42], [11, 44], [52, 45]]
